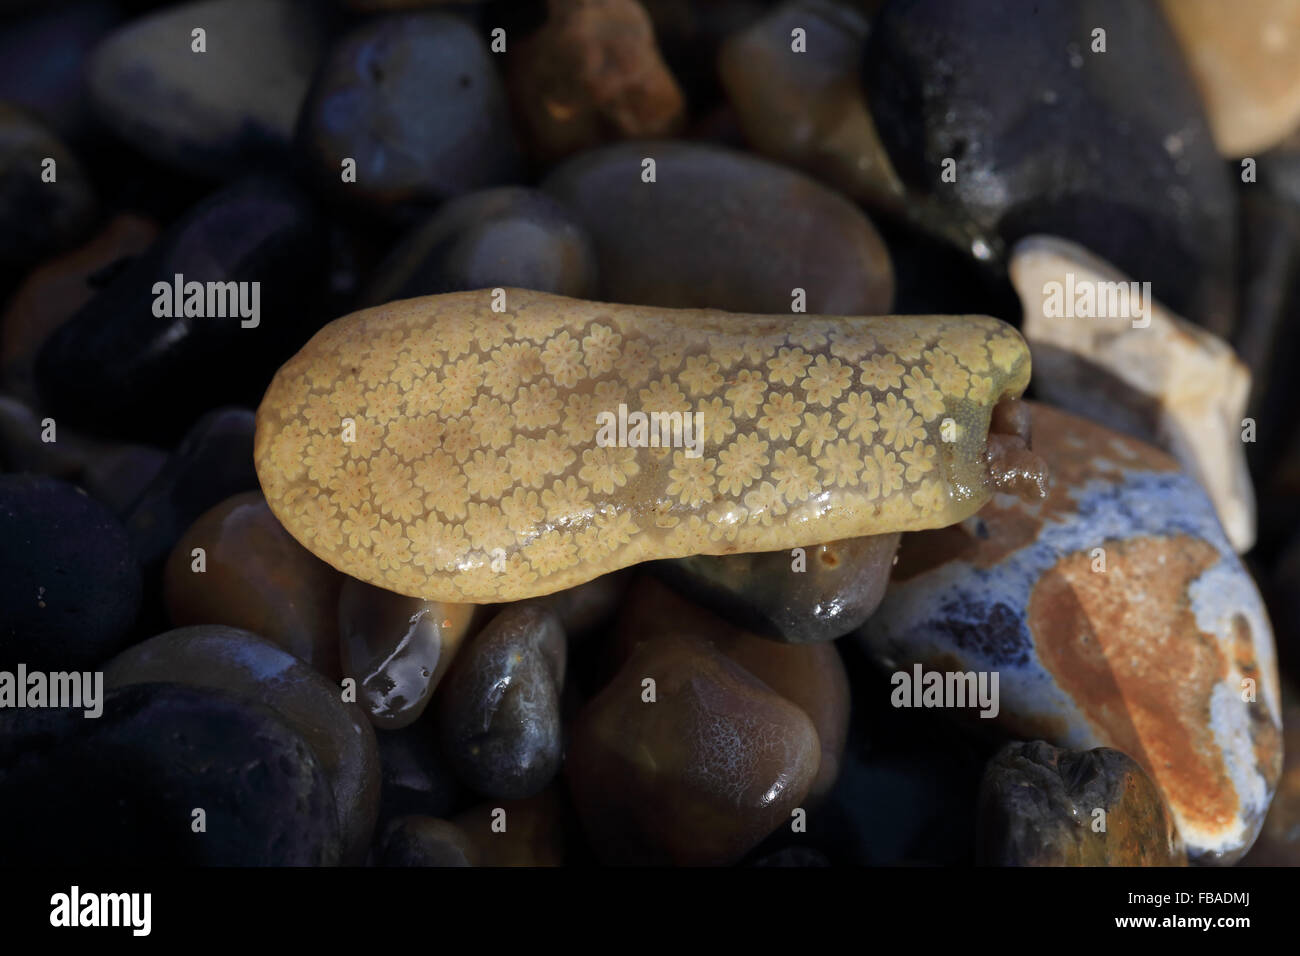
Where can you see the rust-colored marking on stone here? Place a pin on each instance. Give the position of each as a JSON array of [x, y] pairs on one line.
[[1078, 452], [1124, 644]]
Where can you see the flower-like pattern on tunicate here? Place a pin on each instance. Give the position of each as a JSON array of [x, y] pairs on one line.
[[438, 448]]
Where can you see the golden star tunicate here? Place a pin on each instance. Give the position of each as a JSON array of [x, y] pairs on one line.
[[443, 449]]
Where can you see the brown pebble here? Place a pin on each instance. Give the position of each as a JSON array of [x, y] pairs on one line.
[[258, 578], [810, 676], [698, 775], [593, 74], [425, 841], [526, 832]]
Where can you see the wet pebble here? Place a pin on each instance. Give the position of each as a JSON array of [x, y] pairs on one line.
[[216, 112], [114, 789], [592, 74], [69, 582], [800, 596], [258, 578], [119, 367], [528, 832], [1245, 58], [1047, 136], [415, 100], [119, 475], [213, 462], [425, 841], [1113, 614], [586, 610], [690, 35], [416, 777], [113, 473], [397, 649], [37, 216], [508, 237], [53, 292], [809, 676], [42, 56], [724, 230], [1044, 806], [499, 715], [698, 776], [230, 659], [806, 107]]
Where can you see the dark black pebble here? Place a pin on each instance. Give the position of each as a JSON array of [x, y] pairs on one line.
[[499, 713], [118, 369], [122, 789], [69, 582]]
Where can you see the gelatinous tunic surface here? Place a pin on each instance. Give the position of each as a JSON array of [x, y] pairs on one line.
[[441, 449]]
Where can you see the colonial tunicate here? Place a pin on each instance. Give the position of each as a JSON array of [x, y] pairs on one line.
[[441, 448]]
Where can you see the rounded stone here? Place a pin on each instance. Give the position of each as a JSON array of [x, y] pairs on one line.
[[592, 74], [723, 230], [214, 112], [69, 582], [699, 774], [212, 462], [528, 832], [397, 649], [170, 337], [37, 216], [1246, 61], [415, 100], [416, 777], [808, 109], [1043, 806], [54, 292], [1114, 613], [498, 238], [810, 676], [229, 659], [801, 596], [1042, 134], [255, 577], [125, 789], [425, 841], [499, 711]]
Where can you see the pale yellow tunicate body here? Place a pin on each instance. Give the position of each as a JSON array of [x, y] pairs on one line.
[[441, 449]]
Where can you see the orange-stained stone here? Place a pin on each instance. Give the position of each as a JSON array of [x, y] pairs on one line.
[[1116, 614], [1126, 647]]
